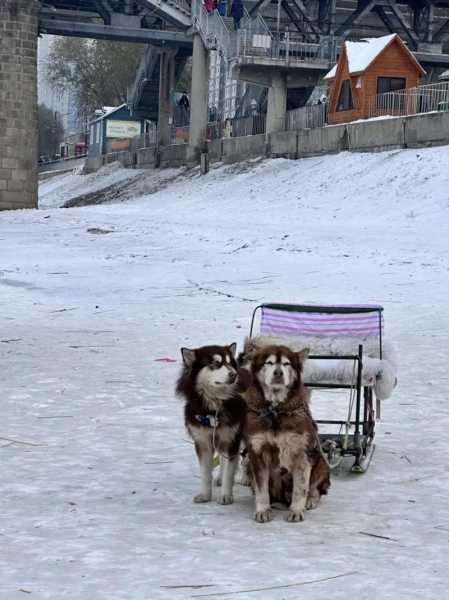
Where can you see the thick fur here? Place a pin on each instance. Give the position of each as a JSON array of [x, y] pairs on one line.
[[281, 436], [210, 383]]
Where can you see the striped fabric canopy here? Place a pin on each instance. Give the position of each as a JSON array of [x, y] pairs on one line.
[[326, 324]]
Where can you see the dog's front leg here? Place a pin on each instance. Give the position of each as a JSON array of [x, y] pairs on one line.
[[205, 455], [301, 481], [228, 466], [261, 476]]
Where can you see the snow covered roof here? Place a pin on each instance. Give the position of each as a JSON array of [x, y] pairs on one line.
[[108, 110], [444, 76], [362, 53]]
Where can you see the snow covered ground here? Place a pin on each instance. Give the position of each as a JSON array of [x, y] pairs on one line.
[[97, 471]]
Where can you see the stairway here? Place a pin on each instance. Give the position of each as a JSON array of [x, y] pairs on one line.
[[177, 12], [143, 95]]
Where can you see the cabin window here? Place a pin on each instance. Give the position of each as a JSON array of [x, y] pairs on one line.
[[345, 99], [390, 84]]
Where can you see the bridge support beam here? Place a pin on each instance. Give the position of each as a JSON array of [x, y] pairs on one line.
[[198, 100], [18, 102], [277, 103]]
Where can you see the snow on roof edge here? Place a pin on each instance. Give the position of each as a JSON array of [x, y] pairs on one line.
[[362, 53]]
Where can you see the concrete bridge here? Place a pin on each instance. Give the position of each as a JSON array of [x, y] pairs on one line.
[[173, 29]]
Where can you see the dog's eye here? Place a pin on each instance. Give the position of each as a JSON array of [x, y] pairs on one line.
[[286, 364], [269, 363]]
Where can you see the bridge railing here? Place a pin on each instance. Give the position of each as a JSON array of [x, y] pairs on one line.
[[211, 27], [411, 101], [256, 41]]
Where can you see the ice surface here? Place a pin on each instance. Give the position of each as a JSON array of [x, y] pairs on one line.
[[97, 472]]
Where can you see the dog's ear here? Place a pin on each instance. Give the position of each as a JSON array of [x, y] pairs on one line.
[[302, 355], [233, 349], [188, 357]]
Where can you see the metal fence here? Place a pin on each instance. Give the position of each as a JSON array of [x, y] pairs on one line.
[[307, 117], [256, 41], [411, 101], [240, 127], [144, 141]]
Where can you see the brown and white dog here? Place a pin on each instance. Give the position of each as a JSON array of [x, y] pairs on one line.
[[214, 413], [281, 436]]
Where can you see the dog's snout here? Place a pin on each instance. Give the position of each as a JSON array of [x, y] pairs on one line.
[[278, 372], [232, 376]]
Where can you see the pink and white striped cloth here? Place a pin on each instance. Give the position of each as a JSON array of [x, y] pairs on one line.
[[327, 324]]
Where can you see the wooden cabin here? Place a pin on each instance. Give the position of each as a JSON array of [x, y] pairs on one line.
[[366, 68]]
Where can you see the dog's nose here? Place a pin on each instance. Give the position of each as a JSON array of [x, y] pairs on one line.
[[232, 376], [277, 372]]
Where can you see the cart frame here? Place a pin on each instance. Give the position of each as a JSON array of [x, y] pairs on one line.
[[359, 444]]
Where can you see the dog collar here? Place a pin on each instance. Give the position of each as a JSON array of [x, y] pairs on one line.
[[207, 420]]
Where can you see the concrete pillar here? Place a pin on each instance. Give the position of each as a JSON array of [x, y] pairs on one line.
[[165, 88], [199, 96], [18, 104], [277, 103]]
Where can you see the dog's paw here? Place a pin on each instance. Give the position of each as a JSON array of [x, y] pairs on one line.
[[199, 498], [263, 516], [294, 517], [225, 499], [312, 502]]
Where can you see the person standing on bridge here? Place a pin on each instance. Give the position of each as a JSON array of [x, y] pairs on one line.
[[237, 13]]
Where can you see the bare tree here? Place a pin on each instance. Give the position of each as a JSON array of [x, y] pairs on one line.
[[50, 131], [98, 71]]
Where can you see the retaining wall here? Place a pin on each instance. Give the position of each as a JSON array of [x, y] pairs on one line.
[[364, 136], [146, 157], [323, 140], [284, 143], [372, 136], [427, 130], [241, 148], [173, 156]]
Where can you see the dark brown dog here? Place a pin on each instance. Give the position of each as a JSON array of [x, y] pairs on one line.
[[281, 436], [214, 413]]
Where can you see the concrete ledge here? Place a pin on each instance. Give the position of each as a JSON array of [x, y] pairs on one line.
[[283, 144], [324, 140], [146, 157], [125, 158], [173, 156], [93, 163], [241, 148], [372, 136], [427, 130], [215, 150]]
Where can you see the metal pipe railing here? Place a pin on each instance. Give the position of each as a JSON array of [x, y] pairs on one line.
[[422, 99]]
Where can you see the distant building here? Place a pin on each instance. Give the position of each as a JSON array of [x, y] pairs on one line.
[[366, 68], [113, 130]]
